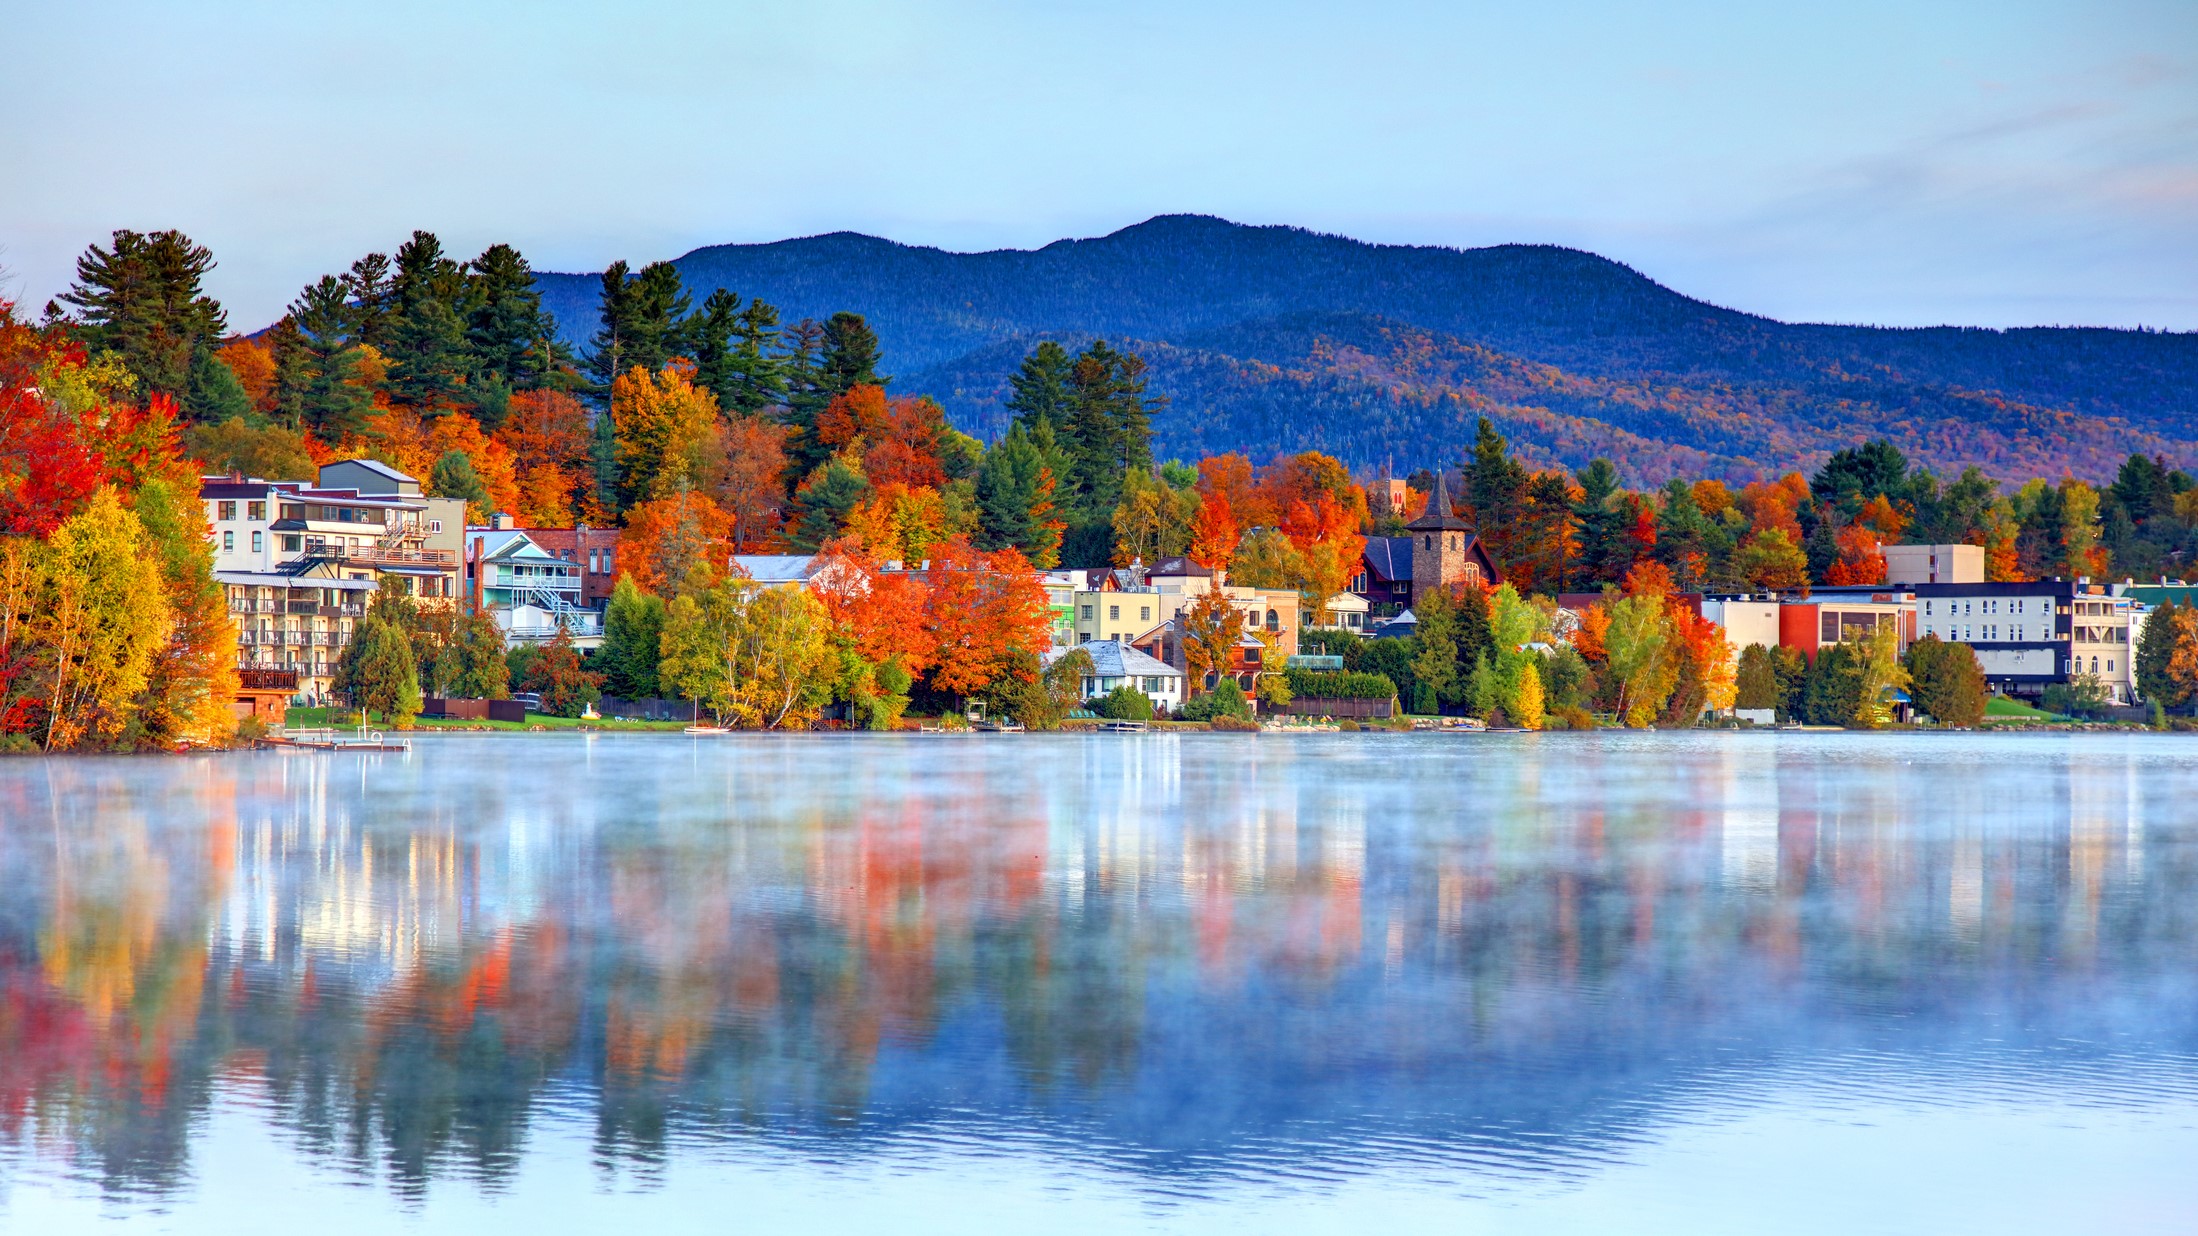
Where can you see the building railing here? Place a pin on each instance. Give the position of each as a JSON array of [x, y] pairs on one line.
[[266, 678], [580, 624], [380, 555]]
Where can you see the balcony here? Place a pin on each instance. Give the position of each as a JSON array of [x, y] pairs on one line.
[[266, 678], [380, 555]]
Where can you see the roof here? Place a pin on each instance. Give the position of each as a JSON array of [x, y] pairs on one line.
[[1180, 565], [1438, 517], [1114, 659], [1389, 558], [777, 568], [504, 543], [375, 466]]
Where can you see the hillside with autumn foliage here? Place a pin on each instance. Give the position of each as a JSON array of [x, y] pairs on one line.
[[1270, 339]]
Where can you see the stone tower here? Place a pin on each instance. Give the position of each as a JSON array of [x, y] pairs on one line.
[[1440, 557]]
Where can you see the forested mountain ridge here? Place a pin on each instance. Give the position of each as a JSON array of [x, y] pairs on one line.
[[1269, 338]]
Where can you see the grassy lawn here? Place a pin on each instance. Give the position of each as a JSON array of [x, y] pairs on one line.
[[2001, 708], [313, 718]]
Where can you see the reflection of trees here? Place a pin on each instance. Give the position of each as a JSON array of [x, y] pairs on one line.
[[1190, 950]]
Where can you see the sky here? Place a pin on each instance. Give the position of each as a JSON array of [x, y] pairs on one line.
[[2003, 163]]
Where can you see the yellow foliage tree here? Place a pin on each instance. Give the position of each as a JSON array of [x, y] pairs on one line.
[[103, 618], [664, 425]]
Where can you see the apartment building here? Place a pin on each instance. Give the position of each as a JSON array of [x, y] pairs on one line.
[[299, 561], [593, 550], [2027, 635]]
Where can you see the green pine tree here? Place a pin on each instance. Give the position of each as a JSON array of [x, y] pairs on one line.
[[143, 301], [512, 338], [429, 360], [214, 394]]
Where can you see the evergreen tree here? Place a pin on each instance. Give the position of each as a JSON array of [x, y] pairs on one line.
[[1850, 478], [834, 489], [370, 300], [633, 628], [429, 362], [1603, 541], [729, 352], [1435, 667], [1756, 683], [850, 356], [2039, 544], [512, 338], [1475, 637], [142, 300], [1692, 545], [1495, 483], [1041, 388], [318, 352], [1109, 427], [799, 366], [644, 320], [453, 477], [603, 461], [1832, 692], [214, 394], [1946, 682], [1015, 500]]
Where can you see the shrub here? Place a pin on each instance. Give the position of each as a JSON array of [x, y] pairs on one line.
[[1124, 704], [1236, 725], [1226, 700], [1347, 725], [1574, 718]]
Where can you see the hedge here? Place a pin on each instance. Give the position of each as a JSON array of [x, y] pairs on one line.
[[1340, 684]]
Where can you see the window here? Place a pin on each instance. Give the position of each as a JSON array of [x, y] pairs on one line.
[[255, 510], [228, 542], [225, 510], [256, 542], [1144, 612], [1114, 613], [1274, 620], [1083, 637], [2110, 665], [607, 568], [1427, 542], [435, 527], [1927, 608], [292, 544]]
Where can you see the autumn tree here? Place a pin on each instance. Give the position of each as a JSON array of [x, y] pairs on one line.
[[547, 433], [103, 617], [742, 470], [989, 614], [1211, 629], [665, 425], [565, 684], [269, 452], [675, 543]]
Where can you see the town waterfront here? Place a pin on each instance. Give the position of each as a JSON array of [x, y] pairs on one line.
[[1654, 982]]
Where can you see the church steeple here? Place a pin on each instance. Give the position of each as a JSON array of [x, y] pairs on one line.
[[1438, 517]]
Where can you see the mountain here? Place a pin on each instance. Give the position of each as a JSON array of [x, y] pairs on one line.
[[1267, 339]]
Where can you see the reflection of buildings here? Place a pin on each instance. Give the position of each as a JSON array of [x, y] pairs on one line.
[[1188, 944]]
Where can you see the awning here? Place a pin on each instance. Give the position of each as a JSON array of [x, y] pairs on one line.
[[418, 570]]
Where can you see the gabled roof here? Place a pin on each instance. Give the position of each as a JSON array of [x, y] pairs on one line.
[[1438, 517], [1389, 558], [507, 543], [375, 466], [777, 568], [1114, 659], [1182, 566]]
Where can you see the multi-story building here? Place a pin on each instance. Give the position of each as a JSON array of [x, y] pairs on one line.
[[531, 593], [593, 550], [299, 560], [2027, 635]]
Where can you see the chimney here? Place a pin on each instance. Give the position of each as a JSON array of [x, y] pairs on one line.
[[500, 521]]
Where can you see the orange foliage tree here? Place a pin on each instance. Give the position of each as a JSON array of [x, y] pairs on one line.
[[988, 611], [1214, 532], [744, 470], [675, 543], [896, 521], [254, 364], [859, 416], [884, 613], [664, 424], [547, 434]]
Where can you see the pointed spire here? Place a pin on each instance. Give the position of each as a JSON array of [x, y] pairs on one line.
[[1438, 517]]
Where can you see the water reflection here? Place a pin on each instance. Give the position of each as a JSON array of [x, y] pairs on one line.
[[1198, 960]]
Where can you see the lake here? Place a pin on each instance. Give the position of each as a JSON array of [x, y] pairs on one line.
[[1688, 983]]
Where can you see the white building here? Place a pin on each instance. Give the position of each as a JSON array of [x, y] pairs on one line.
[[1116, 664]]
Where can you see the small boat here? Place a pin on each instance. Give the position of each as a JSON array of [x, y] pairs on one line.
[[998, 727], [1124, 727], [706, 729]]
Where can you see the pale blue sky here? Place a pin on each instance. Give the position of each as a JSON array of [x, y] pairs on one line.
[[1904, 162]]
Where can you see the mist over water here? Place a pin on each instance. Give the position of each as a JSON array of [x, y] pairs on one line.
[[1656, 982]]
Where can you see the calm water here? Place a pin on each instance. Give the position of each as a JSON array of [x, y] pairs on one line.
[[1659, 983]]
